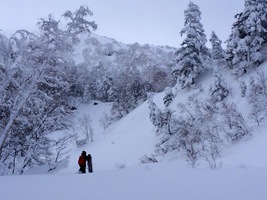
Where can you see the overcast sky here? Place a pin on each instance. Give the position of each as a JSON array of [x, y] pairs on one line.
[[156, 22]]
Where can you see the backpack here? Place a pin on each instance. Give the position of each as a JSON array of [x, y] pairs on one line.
[[81, 160]]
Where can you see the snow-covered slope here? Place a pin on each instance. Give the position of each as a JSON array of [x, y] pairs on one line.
[[121, 144], [118, 174], [165, 181]]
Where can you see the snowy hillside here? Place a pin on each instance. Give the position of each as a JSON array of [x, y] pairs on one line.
[[121, 144], [118, 174], [160, 123]]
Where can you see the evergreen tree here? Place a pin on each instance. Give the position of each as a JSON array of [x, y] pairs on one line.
[[191, 57], [217, 52], [249, 33]]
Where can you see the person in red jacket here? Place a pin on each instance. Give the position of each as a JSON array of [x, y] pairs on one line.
[[82, 162]]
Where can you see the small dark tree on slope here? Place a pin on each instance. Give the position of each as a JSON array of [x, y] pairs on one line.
[[218, 88], [257, 98], [243, 88], [168, 96]]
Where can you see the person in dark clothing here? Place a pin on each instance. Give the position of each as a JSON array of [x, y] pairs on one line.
[[82, 162], [89, 163]]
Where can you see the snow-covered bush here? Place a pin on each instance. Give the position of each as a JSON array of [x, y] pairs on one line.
[[168, 96], [257, 97], [218, 88], [233, 123], [211, 146]]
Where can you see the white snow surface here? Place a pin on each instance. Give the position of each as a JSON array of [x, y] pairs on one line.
[[119, 175]]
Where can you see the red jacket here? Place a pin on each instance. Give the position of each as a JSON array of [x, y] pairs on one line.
[[82, 160]]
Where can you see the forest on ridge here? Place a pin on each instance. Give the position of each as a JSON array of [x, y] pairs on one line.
[[44, 78]]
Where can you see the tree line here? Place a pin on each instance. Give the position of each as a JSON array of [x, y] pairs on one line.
[[209, 119], [35, 91], [42, 83]]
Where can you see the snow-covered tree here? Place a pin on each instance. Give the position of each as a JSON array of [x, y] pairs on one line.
[[211, 145], [191, 57], [130, 91], [5, 50], [217, 52], [164, 121], [233, 123], [218, 88], [154, 113], [248, 36], [168, 96], [78, 22], [35, 97], [166, 125], [190, 131], [36, 103], [85, 125], [257, 98], [179, 133], [108, 90]]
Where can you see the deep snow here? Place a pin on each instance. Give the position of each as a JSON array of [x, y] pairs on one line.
[[165, 181], [118, 173]]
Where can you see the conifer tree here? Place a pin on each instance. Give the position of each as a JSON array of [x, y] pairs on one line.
[[249, 33], [191, 57], [217, 52]]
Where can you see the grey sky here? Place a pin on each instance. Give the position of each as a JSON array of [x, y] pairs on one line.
[[156, 22]]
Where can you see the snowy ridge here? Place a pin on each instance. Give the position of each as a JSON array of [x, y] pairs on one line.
[[94, 48]]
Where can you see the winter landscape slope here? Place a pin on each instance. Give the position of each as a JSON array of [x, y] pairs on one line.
[[243, 174], [118, 173], [216, 112]]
